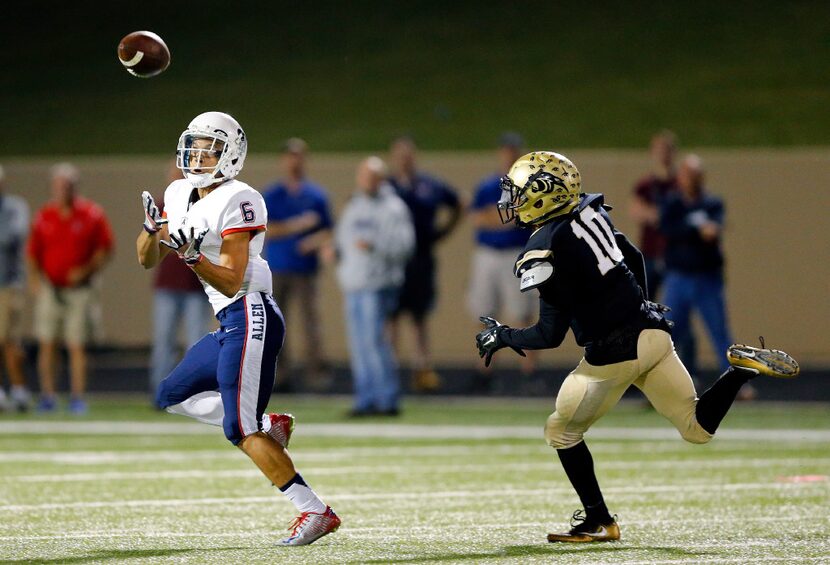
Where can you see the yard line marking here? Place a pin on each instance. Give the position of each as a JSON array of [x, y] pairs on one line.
[[472, 494], [398, 431], [514, 466]]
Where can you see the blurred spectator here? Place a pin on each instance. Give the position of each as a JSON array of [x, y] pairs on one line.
[[70, 242], [14, 227], [178, 300], [299, 226], [692, 221], [648, 195], [494, 290], [374, 239], [426, 197]]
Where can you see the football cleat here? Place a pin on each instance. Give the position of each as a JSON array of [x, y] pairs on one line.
[[308, 527], [584, 530], [282, 426], [769, 362]]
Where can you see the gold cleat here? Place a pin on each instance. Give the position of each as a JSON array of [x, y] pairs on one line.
[[587, 531], [769, 362]]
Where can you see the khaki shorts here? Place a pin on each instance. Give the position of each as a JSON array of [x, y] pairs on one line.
[[590, 391], [11, 305], [494, 289], [63, 312]]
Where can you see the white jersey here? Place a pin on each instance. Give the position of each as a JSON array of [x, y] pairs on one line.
[[232, 207]]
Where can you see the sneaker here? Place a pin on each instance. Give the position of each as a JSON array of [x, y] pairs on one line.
[[769, 362], [425, 380], [308, 527], [281, 427], [20, 398], [47, 404], [77, 406], [584, 530]]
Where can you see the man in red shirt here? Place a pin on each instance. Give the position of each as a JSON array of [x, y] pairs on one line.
[[70, 242], [648, 195]]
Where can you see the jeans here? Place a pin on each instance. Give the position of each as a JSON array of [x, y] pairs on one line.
[[169, 308], [703, 292], [373, 363]]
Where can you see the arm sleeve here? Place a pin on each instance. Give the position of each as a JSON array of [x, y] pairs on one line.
[[244, 212], [547, 333], [634, 259], [324, 209], [105, 239], [717, 212], [673, 220], [396, 239]]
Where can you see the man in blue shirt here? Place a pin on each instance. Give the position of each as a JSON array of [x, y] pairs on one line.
[[692, 220], [493, 291], [425, 196], [299, 226]]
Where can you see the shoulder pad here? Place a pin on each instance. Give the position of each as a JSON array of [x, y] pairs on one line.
[[595, 201], [529, 259], [534, 274]]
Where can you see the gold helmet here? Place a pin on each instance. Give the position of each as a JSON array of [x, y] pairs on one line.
[[540, 186]]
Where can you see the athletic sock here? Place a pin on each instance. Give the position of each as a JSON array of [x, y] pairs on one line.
[[301, 495], [716, 401], [579, 467]]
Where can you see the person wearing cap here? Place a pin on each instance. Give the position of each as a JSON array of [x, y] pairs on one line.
[[70, 242], [14, 227], [492, 290], [299, 227]]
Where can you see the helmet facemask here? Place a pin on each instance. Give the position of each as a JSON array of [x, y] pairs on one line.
[[541, 189], [194, 148]]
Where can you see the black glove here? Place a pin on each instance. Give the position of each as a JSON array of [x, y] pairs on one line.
[[489, 340], [187, 245]]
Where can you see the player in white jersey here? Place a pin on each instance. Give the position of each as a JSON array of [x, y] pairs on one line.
[[216, 225]]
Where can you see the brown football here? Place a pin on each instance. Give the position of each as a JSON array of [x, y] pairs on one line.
[[144, 54]]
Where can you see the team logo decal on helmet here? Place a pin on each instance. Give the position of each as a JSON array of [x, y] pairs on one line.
[[539, 186]]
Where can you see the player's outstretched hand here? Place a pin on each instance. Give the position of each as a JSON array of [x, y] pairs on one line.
[[152, 216], [489, 339], [187, 244]]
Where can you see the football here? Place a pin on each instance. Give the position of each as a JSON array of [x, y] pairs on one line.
[[144, 54]]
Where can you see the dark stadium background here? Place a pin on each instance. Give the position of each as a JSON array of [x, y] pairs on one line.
[[743, 82]]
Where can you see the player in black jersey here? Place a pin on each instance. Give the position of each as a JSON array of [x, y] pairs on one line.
[[592, 280]]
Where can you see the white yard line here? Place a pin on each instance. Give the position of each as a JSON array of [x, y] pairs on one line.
[[409, 469], [684, 489], [397, 431]]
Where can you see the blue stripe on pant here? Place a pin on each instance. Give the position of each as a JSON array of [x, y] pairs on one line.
[[239, 360]]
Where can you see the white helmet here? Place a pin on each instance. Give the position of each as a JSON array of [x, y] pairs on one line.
[[227, 141]]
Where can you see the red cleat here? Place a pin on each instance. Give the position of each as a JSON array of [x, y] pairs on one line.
[[282, 426]]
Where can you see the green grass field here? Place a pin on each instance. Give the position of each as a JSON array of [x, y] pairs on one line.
[[467, 481]]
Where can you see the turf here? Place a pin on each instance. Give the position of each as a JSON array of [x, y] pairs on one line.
[[437, 485]]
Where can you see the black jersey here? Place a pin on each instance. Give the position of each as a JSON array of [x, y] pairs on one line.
[[591, 279]]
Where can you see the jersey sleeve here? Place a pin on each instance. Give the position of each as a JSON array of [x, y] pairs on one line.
[[549, 331], [244, 212]]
